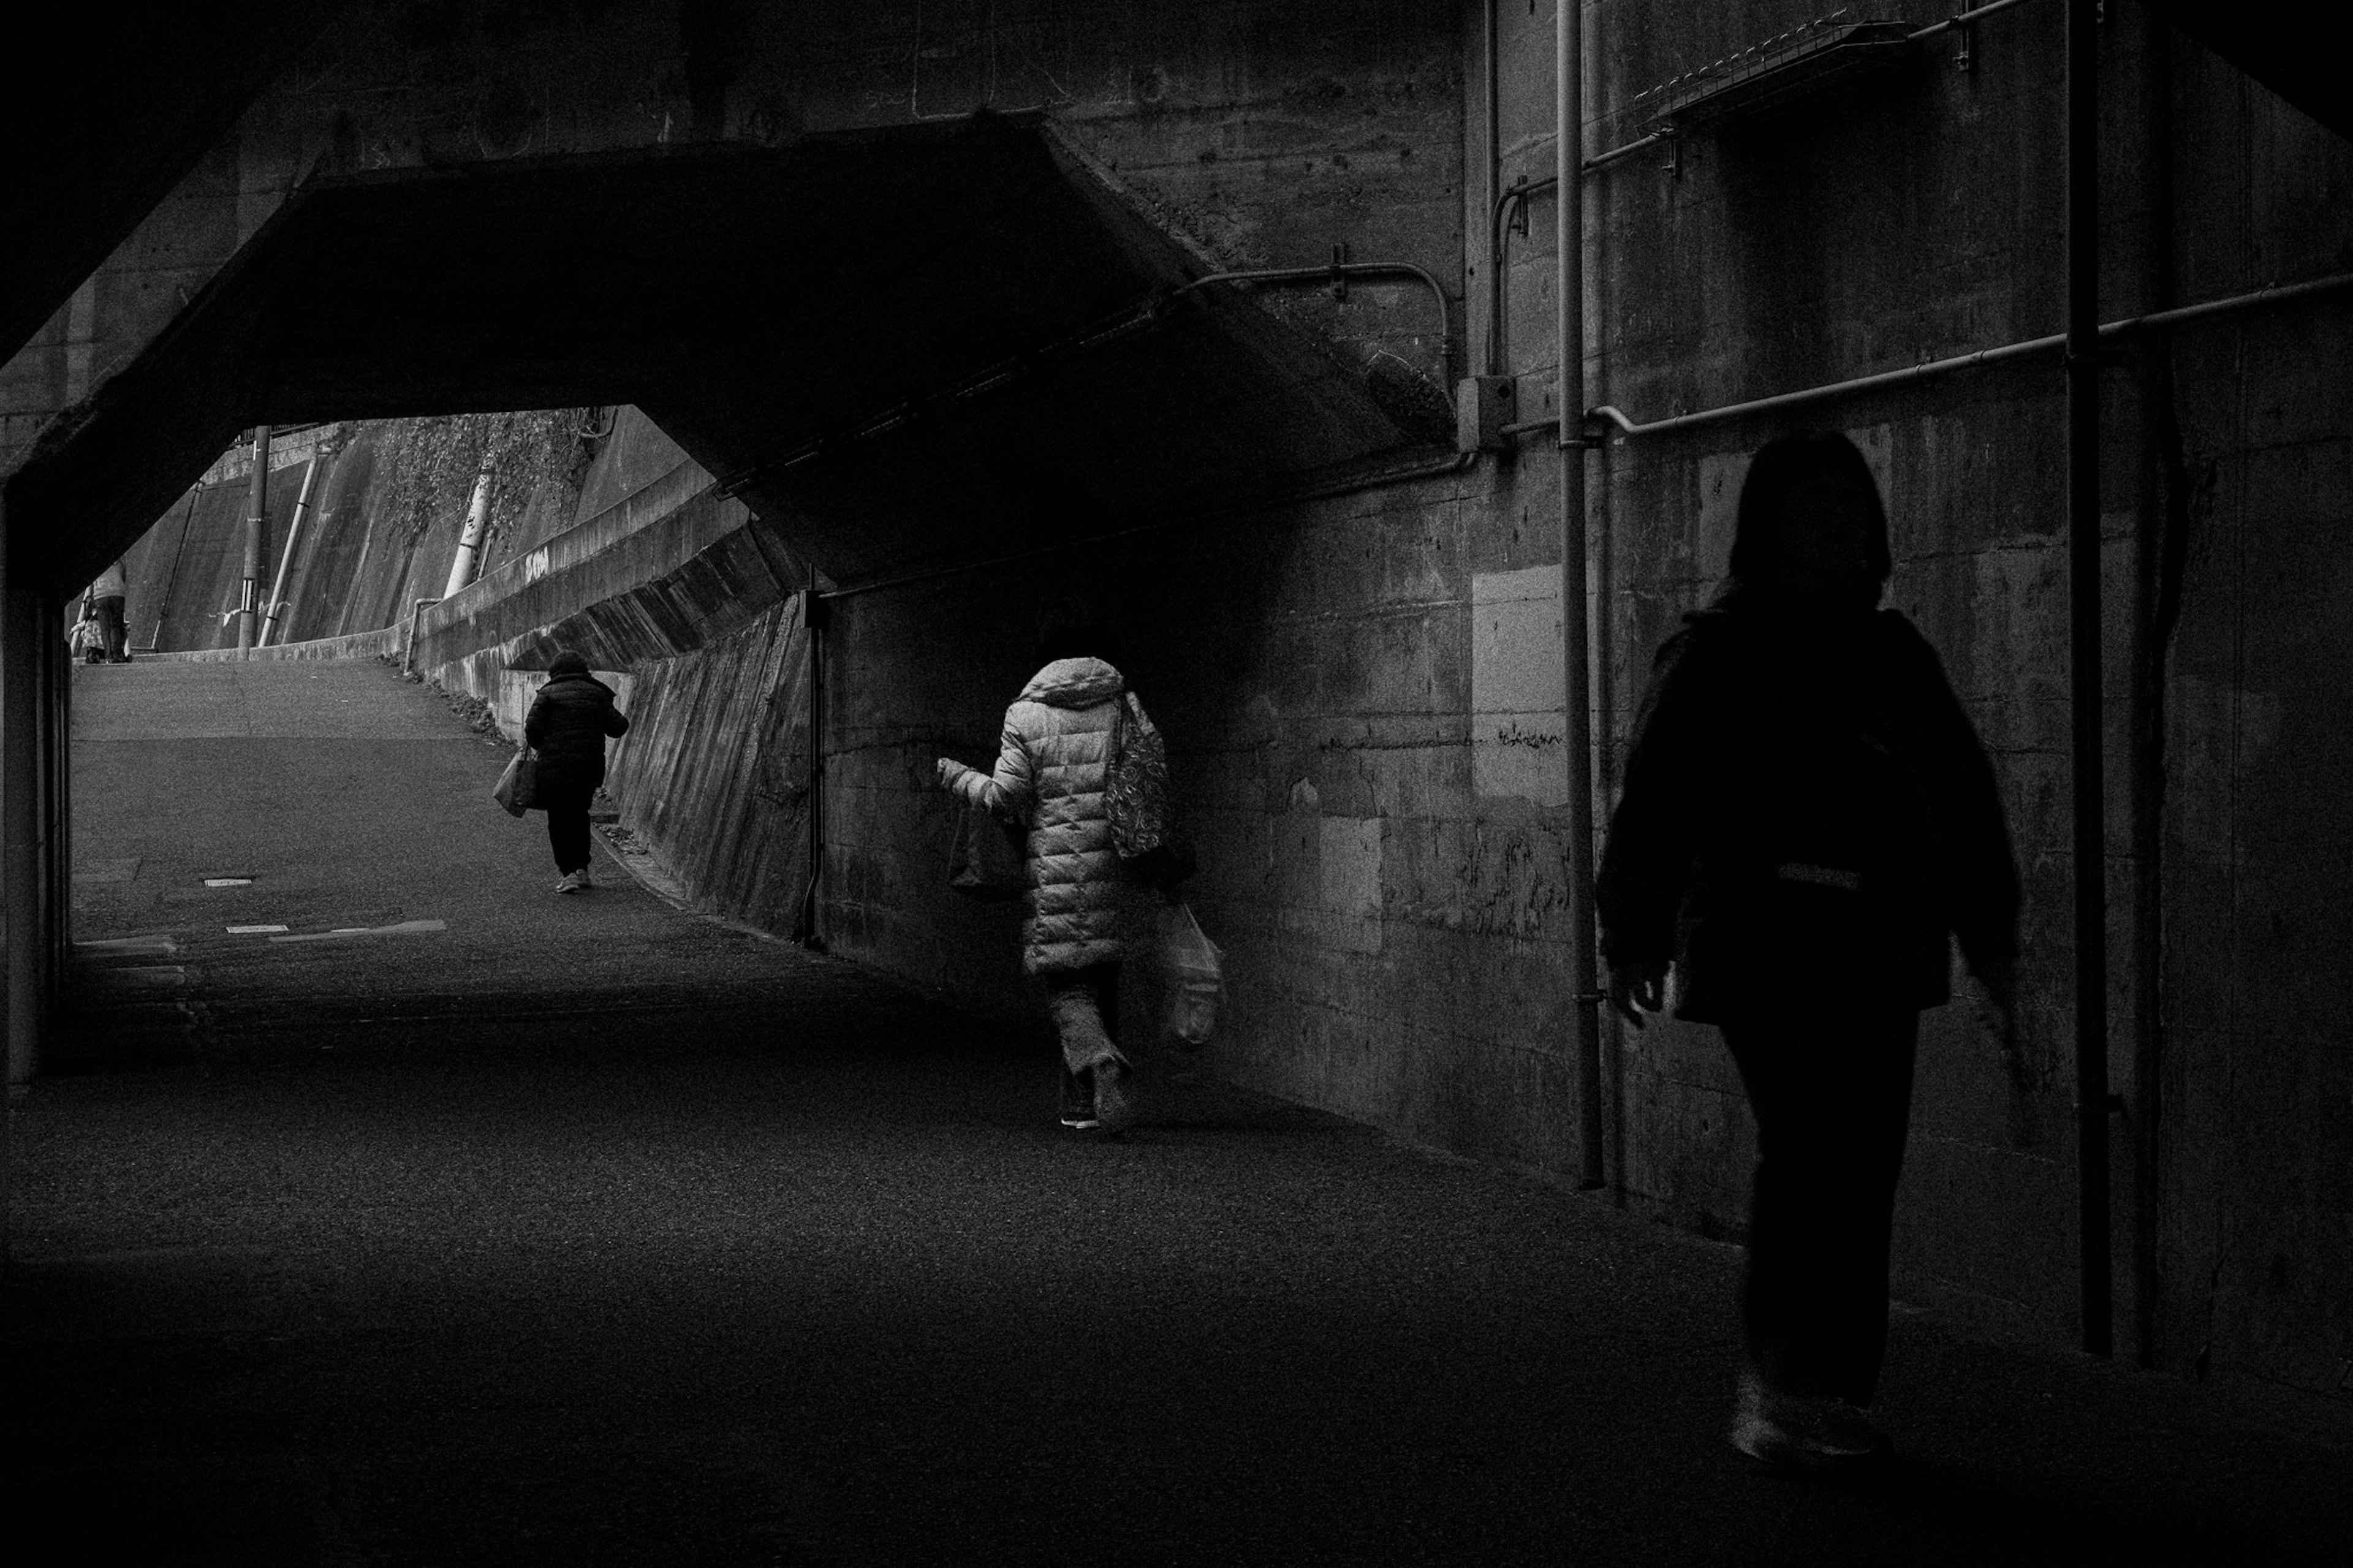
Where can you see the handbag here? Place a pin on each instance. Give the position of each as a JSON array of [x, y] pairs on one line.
[[517, 790], [985, 856], [1136, 799]]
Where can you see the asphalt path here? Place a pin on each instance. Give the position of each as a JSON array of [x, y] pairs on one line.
[[587, 1231]]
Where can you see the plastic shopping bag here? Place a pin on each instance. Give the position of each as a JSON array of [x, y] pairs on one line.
[[1193, 971], [517, 790]]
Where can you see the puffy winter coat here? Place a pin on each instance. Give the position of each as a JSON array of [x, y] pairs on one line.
[[1808, 817], [1049, 777], [568, 722]]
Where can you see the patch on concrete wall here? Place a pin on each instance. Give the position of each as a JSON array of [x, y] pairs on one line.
[[1350, 864], [1329, 879], [1719, 511], [1519, 739]]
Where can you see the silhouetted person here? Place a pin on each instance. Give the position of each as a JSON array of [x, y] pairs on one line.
[[1050, 772], [106, 599], [1807, 819], [567, 726]]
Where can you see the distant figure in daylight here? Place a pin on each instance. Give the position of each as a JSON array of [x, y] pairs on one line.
[[87, 641], [105, 602], [1051, 776], [567, 726], [1807, 819]]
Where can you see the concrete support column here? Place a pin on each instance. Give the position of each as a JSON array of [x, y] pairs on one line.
[[56, 805], [22, 624]]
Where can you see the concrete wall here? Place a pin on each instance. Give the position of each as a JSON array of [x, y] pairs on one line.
[[1923, 217]]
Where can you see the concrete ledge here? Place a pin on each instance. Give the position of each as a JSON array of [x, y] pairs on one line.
[[358, 645]]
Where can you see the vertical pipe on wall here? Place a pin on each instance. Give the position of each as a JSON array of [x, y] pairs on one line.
[[256, 519], [2165, 537], [1492, 80], [172, 580], [271, 611], [1568, 141], [2085, 683]]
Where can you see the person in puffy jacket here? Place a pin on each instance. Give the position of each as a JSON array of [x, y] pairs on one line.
[[1050, 772], [1808, 821], [568, 724]]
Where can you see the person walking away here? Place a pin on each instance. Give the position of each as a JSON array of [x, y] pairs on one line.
[[1051, 769], [1807, 819], [568, 724], [106, 598]]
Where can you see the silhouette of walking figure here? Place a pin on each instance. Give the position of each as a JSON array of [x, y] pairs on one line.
[[1807, 819]]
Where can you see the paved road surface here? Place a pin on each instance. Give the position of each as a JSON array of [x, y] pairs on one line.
[[752, 1259]]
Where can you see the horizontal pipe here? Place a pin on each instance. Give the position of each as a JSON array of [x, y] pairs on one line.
[[2275, 294], [1504, 200], [1965, 19], [1425, 468], [1345, 270], [1143, 317]]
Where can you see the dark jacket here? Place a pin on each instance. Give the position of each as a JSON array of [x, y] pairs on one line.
[[567, 725], [1807, 816]]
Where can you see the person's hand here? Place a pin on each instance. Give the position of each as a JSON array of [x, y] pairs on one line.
[[948, 768], [1636, 989]]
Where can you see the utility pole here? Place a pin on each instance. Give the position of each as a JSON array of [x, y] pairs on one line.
[[256, 519]]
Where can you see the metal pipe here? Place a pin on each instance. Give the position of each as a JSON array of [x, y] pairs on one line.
[[257, 520], [408, 654], [2084, 685], [285, 556], [1569, 343], [469, 542], [1501, 201], [172, 580], [1624, 427], [1401, 473], [1338, 270], [2165, 528], [1963, 19]]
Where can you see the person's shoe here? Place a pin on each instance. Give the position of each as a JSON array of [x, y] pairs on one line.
[[1792, 1432], [1114, 1095], [587, 882], [572, 882], [1079, 1101]]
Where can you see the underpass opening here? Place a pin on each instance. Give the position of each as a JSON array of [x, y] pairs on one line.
[[867, 359]]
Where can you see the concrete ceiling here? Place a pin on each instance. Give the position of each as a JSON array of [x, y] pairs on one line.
[[770, 307], [105, 112]]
